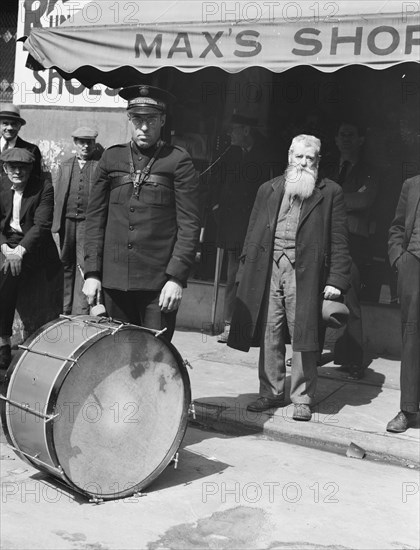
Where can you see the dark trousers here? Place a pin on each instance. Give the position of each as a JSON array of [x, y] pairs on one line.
[[231, 287], [9, 287], [139, 307], [348, 349], [72, 245], [409, 295]]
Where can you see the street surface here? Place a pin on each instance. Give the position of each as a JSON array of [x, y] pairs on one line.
[[228, 492]]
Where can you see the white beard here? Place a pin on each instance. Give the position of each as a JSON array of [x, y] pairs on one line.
[[300, 181]]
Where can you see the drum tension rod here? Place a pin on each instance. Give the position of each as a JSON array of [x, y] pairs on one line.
[[26, 407], [45, 354], [191, 410], [175, 460], [58, 470], [188, 364], [120, 326]]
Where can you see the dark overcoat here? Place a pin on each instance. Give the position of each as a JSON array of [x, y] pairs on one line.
[[62, 187], [36, 213], [403, 223], [240, 177], [322, 258], [138, 243]]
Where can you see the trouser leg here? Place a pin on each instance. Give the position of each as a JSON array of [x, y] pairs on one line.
[[409, 294], [304, 369], [80, 304], [140, 308], [68, 259], [230, 291], [348, 349], [271, 364], [9, 286]]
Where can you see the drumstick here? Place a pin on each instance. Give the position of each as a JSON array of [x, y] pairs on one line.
[[98, 311]]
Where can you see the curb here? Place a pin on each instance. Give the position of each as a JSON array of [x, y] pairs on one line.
[[383, 447]]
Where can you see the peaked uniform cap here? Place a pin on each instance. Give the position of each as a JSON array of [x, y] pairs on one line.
[[84, 132], [17, 154], [8, 110], [146, 99]]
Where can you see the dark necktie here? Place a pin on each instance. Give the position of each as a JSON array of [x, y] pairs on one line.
[[343, 172]]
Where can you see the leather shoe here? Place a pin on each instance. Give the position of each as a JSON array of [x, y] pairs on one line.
[[223, 337], [302, 412], [355, 372], [5, 356], [265, 403], [401, 422]]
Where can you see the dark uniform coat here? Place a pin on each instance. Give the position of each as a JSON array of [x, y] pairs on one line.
[[36, 215], [322, 258], [138, 243], [62, 186]]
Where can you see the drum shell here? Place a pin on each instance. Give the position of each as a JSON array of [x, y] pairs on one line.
[[48, 381]]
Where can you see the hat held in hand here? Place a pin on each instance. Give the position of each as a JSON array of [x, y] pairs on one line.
[[334, 313]]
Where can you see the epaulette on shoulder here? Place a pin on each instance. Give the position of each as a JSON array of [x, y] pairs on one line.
[[179, 148], [116, 146]]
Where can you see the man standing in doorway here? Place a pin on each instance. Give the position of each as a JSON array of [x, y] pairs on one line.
[[247, 166], [356, 179], [142, 222], [295, 253], [404, 256]]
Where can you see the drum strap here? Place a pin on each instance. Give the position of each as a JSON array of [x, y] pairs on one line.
[[138, 177], [122, 178]]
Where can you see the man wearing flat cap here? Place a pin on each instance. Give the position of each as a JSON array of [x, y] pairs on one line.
[[10, 124], [26, 243], [295, 254], [72, 188], [142, 222]]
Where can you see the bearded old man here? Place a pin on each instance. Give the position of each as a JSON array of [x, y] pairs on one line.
[[295, 254]]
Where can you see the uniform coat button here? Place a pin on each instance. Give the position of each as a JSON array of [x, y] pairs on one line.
[[131, 209], [131, 228], [130, 245]]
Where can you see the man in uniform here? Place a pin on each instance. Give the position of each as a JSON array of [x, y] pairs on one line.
[[26, 212], [72, 189], [142, 222], [10, 124]]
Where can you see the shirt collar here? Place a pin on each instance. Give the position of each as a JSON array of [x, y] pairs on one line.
[[11, 143]]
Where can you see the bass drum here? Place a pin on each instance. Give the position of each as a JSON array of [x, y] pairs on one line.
[[102, 406]]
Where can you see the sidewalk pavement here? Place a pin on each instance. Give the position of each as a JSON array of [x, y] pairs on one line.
[[224, 381]]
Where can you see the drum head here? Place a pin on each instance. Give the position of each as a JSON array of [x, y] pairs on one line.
[[122, 413]]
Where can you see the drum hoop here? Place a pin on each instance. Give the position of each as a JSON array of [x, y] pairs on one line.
[[55, 390]]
